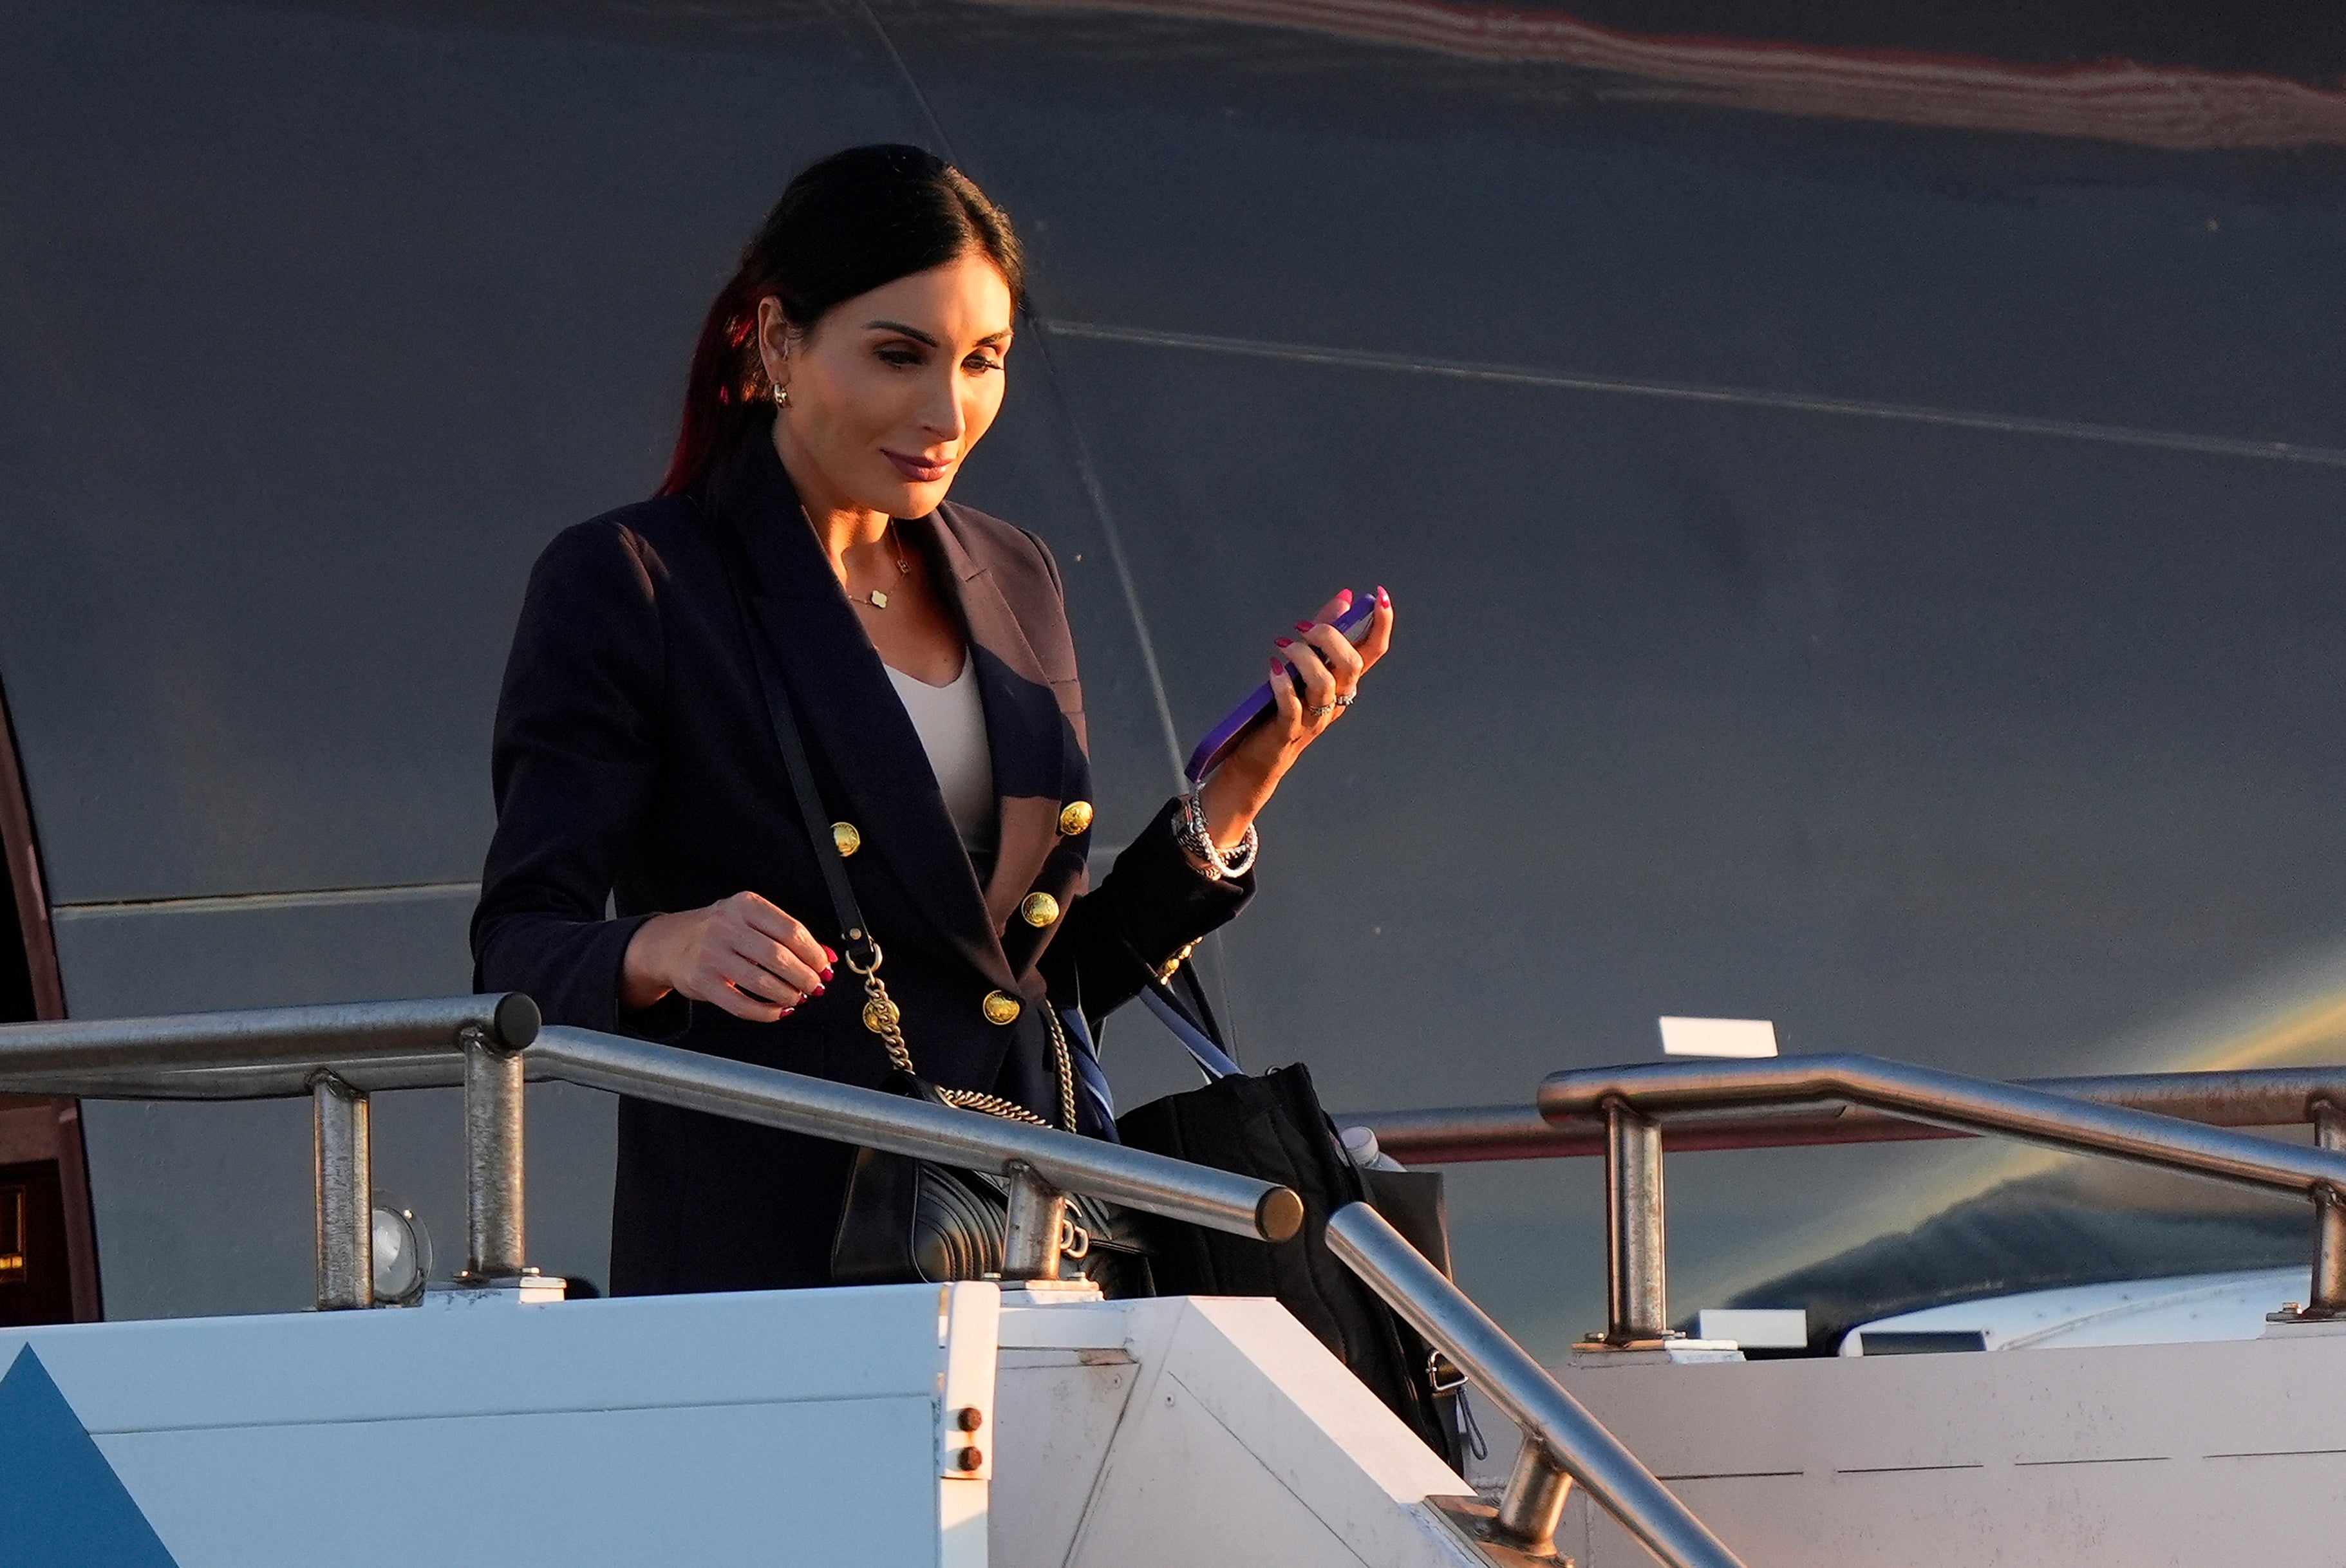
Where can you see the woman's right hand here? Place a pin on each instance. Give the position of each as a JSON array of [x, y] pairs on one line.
[[739, 953]]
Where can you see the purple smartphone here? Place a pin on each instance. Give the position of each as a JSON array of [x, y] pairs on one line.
[[1353, 622]]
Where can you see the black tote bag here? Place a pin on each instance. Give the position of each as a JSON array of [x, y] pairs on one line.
[[1272, 1127]]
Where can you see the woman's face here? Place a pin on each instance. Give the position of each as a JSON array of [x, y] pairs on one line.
[[892, 388]]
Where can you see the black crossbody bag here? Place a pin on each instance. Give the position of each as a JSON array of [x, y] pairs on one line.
[[905, 1220]]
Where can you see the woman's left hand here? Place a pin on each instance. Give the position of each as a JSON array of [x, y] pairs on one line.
[[1330, 669]]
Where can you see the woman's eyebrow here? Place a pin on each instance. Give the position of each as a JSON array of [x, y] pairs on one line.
[[991, 338]]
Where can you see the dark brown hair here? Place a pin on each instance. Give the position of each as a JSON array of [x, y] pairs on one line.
[[848, 224]]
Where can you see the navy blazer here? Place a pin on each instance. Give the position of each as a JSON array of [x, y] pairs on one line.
[[636, 771]]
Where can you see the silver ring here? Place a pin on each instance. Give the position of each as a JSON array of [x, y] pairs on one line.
[[1344, 698], [1322, 710]]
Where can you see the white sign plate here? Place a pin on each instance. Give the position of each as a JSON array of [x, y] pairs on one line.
[[1718, 1037]]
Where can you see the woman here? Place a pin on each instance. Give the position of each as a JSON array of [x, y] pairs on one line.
[[802, 536]]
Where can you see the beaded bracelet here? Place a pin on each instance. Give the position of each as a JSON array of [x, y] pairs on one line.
[[1219, 867]]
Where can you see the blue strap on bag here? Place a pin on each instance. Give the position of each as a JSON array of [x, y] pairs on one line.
[[1212, 1060]]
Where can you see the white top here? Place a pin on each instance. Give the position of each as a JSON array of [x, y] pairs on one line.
[[951, 720]]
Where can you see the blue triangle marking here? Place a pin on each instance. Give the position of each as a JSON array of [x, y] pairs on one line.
[[61, 1504]]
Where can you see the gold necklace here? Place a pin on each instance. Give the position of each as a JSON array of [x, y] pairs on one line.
[[875, 598]]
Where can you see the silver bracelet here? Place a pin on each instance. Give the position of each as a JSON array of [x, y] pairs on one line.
[[1199, 843]]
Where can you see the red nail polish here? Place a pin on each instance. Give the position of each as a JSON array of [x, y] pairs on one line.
[[1282, 642], [826, 977], [786, 1013], [830, 955], [1276, 668], [816, 992], [1383, 597], [1345, 594], [1303, 626]]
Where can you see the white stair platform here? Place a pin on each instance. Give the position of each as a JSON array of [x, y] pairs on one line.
[[1202, 1430], [2104, 1457], [819, 1426]]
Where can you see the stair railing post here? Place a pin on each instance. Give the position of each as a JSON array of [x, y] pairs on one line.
[[1637, 1269], [1038, 1217], [1532, 1504], [2330, 1221], [493, 1204], [345, 1194]]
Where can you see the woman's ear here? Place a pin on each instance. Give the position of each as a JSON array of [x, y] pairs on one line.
[[775, 336]]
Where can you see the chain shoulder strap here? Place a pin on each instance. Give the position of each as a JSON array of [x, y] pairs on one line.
[[885, 1018]]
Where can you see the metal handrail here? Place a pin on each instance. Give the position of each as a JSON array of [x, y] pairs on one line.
[[867, 1118], [1636, 1100], [1560, 1437], [263, 1052], [2245, 1097], [338, 1054], [1944, 1099]]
